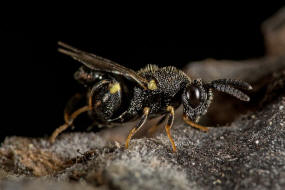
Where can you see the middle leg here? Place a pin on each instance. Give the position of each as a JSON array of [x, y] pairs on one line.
[[169, 124]]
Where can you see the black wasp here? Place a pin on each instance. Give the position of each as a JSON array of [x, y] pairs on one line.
[[117, 94]]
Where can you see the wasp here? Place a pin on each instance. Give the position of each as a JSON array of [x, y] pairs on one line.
[[116, 94]]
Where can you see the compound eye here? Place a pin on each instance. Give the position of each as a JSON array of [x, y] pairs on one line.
[[193, 95]]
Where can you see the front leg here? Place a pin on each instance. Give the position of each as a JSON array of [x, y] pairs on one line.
[[195, 125], [138, 126]]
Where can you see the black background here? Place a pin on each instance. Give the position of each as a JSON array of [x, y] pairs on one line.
[[37, 81]]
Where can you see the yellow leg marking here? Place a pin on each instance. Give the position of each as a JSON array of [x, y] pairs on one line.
[[146, 110], [170, 109], [132, 132], [195, 125], [167, 128], [68, 122]]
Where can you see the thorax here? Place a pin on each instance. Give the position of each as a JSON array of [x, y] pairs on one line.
[[169, 83]]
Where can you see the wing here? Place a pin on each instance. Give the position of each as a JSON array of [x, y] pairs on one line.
[[97, 63]]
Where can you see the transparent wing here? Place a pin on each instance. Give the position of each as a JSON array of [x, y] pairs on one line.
[[98, 63]]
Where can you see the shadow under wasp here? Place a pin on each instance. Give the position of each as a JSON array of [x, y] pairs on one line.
[[116, 94]]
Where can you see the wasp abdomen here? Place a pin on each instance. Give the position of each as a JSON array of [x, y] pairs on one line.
[[106, 99]]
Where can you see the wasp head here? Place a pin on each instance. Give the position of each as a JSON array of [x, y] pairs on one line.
[[197, 96], [196, 99]]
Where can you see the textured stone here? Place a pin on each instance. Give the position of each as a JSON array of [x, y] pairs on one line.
[[250, 153]]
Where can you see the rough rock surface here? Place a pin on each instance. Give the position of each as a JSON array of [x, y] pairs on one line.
[[249, 153]]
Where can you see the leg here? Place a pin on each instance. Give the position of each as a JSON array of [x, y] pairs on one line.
[[68, 117], [154, 128], [195, 125], [70, 106], [169, 124], [138, 126], [68, 122]]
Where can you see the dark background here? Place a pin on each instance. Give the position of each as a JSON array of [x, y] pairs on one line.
[[38, 81]]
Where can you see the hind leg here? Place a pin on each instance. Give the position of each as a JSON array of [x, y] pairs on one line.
[[71, 105], [68, 122], [69, 115]]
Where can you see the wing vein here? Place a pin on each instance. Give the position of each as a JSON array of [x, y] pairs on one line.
[[98, 63]]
